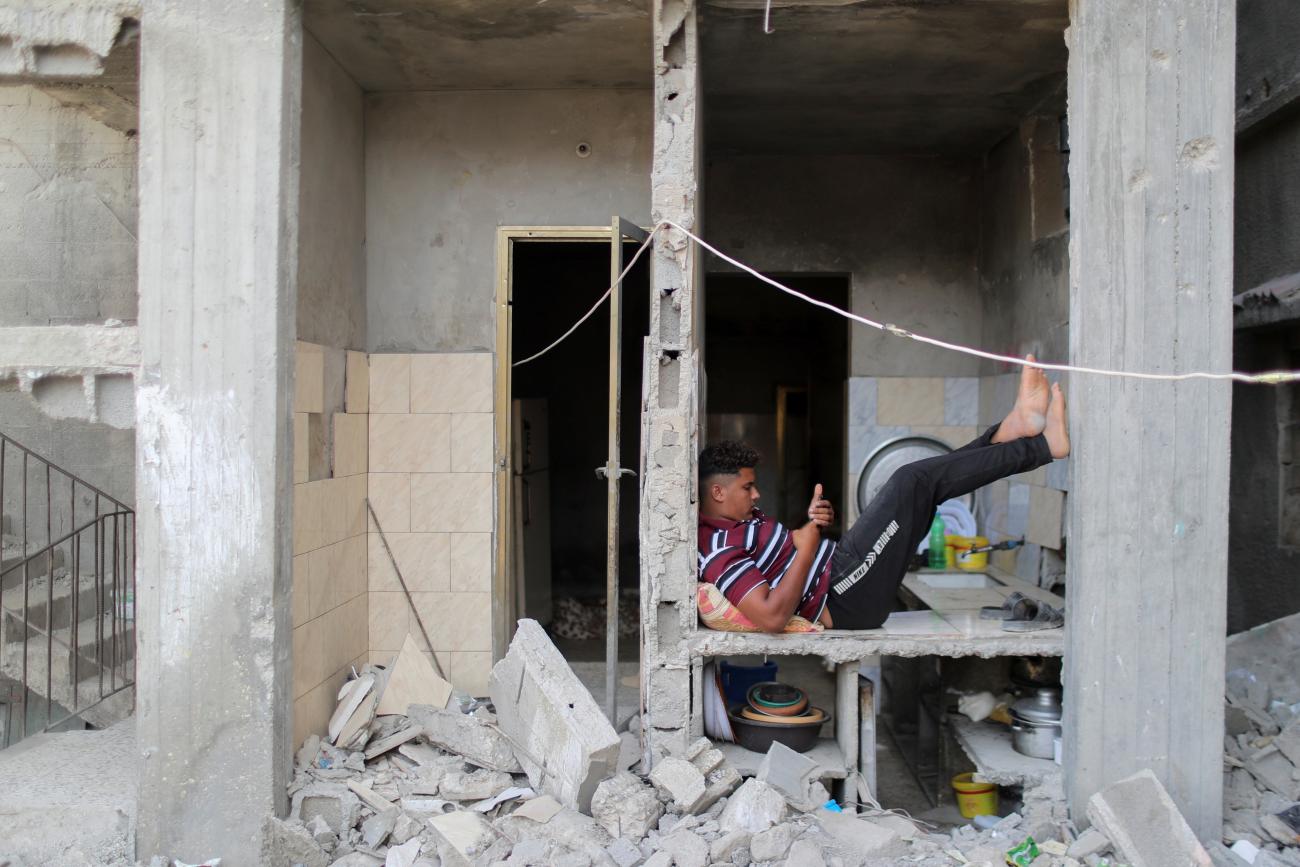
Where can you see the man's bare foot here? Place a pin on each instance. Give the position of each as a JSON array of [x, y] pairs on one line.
[[1028, 417], [1057, 431]]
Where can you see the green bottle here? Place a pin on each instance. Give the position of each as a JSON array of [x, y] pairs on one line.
[[938, 545]]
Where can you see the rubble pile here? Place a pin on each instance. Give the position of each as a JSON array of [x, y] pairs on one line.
[[537, 776], [1261, 767]]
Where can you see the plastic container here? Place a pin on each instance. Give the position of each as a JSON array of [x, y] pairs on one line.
[[737, 679], [970, 562], [938, 544], [974, 799]]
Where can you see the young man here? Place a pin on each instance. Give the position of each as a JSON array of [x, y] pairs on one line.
[[772, 573]]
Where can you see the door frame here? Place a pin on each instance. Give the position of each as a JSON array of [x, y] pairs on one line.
[[504, 589]]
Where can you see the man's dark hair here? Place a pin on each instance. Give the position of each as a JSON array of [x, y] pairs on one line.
[[726, 458]]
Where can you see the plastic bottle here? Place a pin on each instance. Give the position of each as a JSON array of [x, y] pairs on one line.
[[938, 545]]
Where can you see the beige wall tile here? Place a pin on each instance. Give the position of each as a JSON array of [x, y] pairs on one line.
[[457, 621], [301, 448], [312, 711], [355, 489], [451, 382], [308, 656], [306, 517], [424, 558], [471, 562], [301, 590], [388, 621], [321, 581], [334, 510], [352, 568], [1046, 508], [410, 443], [469, 671], [309, 378], [909, 401], [451, 502], [471, 442], [390, 497], [352, 629], [356, 392], [390, 383], [350, 444]]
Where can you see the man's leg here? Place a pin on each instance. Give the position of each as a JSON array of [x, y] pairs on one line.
[[872, 558]]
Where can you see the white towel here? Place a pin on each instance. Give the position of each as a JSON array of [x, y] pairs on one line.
[[957, 521]]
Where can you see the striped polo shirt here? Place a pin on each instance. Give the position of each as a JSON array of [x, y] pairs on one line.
[[738, 556]]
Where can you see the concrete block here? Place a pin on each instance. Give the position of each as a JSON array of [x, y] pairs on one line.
[[728, 846], [467, 736], [566, 830], [375, 830], [805, 853], [754, 807], [1274, 771], [1090, 842], [626, 807], [1145, 825], [567, 745], [860, 841], [290, 844], [687, 848], [332, 802], [680, 781], [624, 853], [773, 843], [473, 785], [790, 773], [462, 837]]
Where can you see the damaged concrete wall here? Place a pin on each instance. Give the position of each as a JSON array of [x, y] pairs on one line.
[[331, 205], [443, 170], [904, 228]]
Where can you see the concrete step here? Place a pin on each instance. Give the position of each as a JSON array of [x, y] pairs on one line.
[[91, 595], [95, 680]]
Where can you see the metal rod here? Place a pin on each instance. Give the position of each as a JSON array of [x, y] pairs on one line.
[[49, 626], [74, 621], [613, 471], [402, 581]]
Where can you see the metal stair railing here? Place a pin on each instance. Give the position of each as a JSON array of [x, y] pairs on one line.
[[67, 604]]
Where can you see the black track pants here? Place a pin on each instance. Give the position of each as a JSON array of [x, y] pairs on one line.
[[871, 560]]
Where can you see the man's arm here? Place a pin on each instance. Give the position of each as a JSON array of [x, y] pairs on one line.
[[770, 608]]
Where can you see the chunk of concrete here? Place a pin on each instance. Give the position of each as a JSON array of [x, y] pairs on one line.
[[720, 778], [462, 837], [687, 848], [1090, 842], [773, 843], [626, 807], [567, 745], [288, 844], [792, 774], [473, 785], [1145, 825], [1288, 742], [375, 830], [332, 802], [467, 736], [727, 847], [1274, 771], [405, 855], [860, 841], [805, 853], [680, 781], [566, 830], [754, 807], [624, 853], [697, 779]]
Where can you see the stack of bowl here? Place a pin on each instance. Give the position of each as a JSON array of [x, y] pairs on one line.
[[777, 712]]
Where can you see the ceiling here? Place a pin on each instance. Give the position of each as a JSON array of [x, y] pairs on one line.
[[879, 76], [486, 44]]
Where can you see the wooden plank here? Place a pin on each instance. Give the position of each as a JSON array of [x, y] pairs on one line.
[[1151, 179]]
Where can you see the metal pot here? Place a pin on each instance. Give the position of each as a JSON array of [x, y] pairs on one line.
[[1036, 723]]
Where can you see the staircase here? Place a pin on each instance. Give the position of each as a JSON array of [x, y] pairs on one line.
[[67, 601]]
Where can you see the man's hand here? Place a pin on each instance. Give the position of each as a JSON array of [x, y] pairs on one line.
[[820, 511], [807, 537]]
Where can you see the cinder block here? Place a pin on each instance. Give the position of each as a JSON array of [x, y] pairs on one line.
[[1145, 825], [543, 706]]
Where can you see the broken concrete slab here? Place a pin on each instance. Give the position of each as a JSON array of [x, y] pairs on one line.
[[462, 837], [792, 774], [680, 782], [405, 855], [624, 853], [625, 806], [858, 840], [334, 803], [1090, 842], [774, 843], [1274, 771], [697, 779], [467, 736], [1288, 742], [290, 844], [754, 807], [393, 741], [568, 745], [687, 848], [805, 853], [473, 785], [566, 830], [729, 845], [1145, 825], [375, 830], [369, 797]]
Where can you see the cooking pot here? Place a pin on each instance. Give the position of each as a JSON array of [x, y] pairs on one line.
[[1036, 723]]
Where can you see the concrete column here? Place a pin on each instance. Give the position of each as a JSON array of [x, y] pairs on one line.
[[1151, 180], [670, 405], [219, 120]]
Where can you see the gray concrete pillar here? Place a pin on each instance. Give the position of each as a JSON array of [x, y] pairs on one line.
[[219, 120], [671, 403], [1151, 180]]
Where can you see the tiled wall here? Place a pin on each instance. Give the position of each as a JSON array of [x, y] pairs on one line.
[[955, 410], [431, 485], [329, 529]]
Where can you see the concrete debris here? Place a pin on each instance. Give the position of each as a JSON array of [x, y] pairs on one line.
[[697, 779], [469, 737], [773, 843], [1144, 824], [462, 836], [625, 853], [375, 830], [565, 743], [805, 853], [687, 848], [625, 806], [861, 841], [288, 844], [754, 807], [473, 785], [1090, 842], [793, 775]]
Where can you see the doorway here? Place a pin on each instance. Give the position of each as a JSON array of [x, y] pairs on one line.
[[553, 554], [776, 372]]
